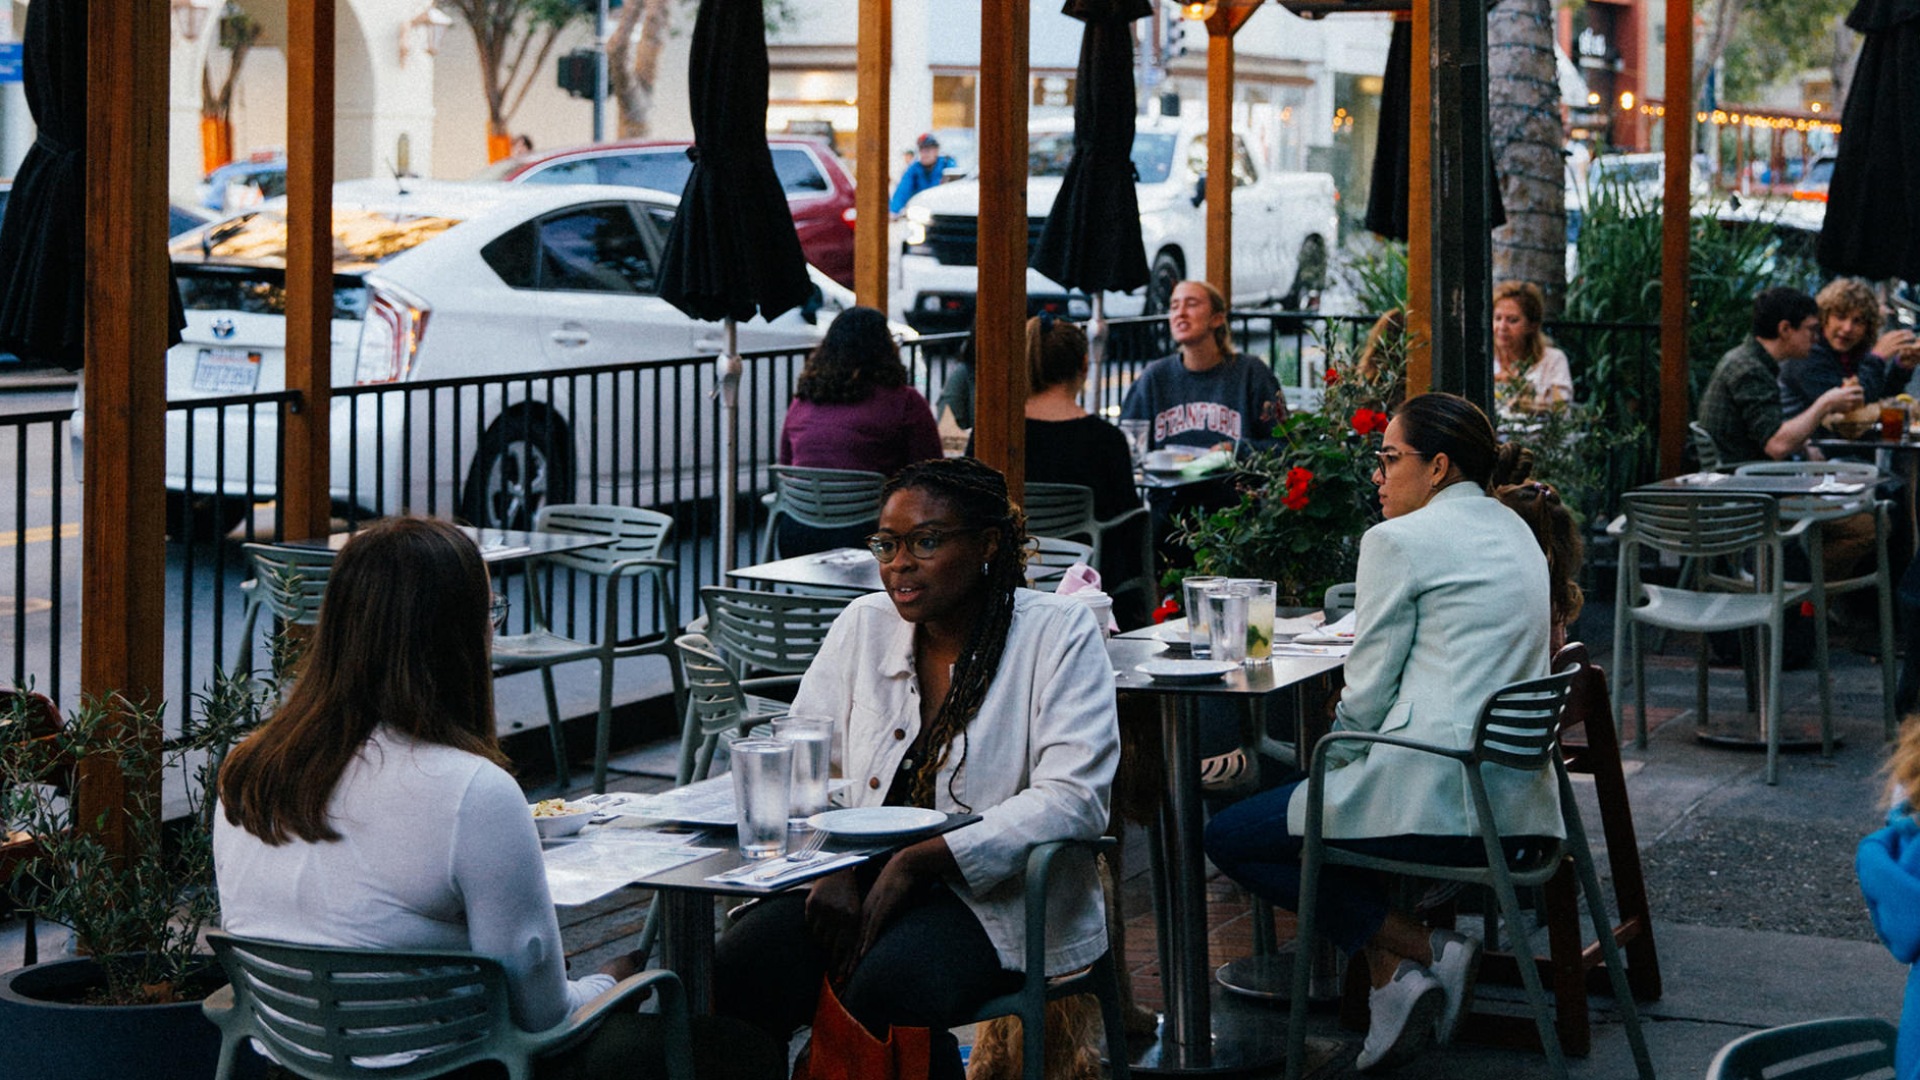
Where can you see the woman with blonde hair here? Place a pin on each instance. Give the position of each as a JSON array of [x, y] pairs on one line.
[[1529, 374]]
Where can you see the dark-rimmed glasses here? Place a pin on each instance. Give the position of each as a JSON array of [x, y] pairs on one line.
[[1388, 458], [923, 543]]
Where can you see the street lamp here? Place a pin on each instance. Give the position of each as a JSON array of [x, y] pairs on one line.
[[424, 31], [1198, 10], [190, 17]]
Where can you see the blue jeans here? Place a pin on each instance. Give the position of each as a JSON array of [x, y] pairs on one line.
[[1249, 841]]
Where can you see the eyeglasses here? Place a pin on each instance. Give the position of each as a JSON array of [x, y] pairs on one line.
[[921, 542], [1389, 457]]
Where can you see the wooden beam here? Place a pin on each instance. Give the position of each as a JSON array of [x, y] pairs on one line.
[[123, 550], [871, 156], [305, 503], [1000, 313], [1220, 158], [1462, 181], [1419, 312], [1677, 140]]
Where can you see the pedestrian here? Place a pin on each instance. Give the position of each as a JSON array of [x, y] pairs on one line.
[[522, 145], [927, 170]]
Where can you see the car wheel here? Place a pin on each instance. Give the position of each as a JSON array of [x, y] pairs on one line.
[[1311, 277], [1166, 273], [192, 517], [525, 462]]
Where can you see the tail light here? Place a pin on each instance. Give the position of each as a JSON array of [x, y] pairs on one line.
[[849, 215], [390, 335]]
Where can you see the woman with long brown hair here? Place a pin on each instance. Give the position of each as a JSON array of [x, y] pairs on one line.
[[958, 690], [373, 811]]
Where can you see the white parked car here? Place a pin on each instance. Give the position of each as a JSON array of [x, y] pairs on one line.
[[523, 284], [1284, 226]]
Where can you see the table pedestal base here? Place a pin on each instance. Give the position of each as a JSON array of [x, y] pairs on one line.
[[1270, 978], [1738, 730], [1247, 1037]]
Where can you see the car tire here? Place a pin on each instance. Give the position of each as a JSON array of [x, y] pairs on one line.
[[1167, 271], [1311, 275], [194, 517], [525, 462]]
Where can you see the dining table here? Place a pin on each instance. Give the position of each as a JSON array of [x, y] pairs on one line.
[[1203, 1029], [496, 545], [852, 570]]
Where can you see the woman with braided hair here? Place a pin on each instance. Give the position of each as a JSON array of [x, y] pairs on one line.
[[959, 690]]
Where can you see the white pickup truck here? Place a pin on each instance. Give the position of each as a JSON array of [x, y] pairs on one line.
[[1283, 226]]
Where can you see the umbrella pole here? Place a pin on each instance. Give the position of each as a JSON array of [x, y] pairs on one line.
[[729, 373], [1096, 350]]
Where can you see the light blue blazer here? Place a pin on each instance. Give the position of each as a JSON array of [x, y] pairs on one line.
[[1452, 605]]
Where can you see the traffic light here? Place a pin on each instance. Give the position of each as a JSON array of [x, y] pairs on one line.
[[577, 72]]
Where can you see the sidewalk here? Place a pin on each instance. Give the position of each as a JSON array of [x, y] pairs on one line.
[[1755, 909]]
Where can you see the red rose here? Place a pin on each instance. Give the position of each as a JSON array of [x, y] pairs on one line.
[[1167, 609], [1368, 421], [1333, 376], [1298, 478], [1295, 499]]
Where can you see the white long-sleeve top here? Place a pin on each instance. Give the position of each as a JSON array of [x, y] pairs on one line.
[[1039, 759], [437, 850]]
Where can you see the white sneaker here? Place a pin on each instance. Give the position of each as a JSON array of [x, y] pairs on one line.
[[1404, 1013], [1456, 962]]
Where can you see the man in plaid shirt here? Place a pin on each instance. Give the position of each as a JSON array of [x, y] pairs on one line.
[[1741, 408]]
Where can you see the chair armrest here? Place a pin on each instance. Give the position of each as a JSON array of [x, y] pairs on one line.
[[673, 1011], [1798, 528], [1316, 776], [1618, 526], [1039, 872], [218, 1007], [1119, 519]]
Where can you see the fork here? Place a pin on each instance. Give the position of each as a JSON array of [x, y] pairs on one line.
[[808, 850]]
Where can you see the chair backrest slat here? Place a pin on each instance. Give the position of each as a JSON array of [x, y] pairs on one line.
[[771, 632], [827, 498], [292, 581], [1053, 552], [1706, 449], [1520, 723], [1702, 524], [1060, 510], [1842, 1048], [636, 533]]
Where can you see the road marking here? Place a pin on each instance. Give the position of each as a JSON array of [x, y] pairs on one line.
[[35, 605], [38, 534]]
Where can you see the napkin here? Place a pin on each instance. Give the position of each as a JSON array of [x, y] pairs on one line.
[[1207, 462], [1333, 633], [1081, 576], [776, 872]]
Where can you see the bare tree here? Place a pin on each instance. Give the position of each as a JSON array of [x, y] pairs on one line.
[[513, 39], [1523, 94], [633, 62], [238, 35]]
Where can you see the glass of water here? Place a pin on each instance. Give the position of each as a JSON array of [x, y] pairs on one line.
[[1260, 612], [812, 740], [1136, 433], [762, 780], [1196, 587], [1227, 619]]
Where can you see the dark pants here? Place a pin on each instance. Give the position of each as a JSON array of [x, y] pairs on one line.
[[933, 968], [1250, 843]]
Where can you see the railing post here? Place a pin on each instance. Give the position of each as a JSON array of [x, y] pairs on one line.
[[728, 370]]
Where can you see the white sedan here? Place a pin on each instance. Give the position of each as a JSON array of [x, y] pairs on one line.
[[528, 290]]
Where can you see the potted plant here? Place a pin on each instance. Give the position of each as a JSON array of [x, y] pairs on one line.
[[128, 1003]]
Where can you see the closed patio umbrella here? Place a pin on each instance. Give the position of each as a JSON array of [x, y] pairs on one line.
[[1872, 227], [43, 241], [732, 250], [1387, 194]]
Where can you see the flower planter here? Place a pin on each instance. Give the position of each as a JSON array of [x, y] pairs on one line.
[[52, 1036]]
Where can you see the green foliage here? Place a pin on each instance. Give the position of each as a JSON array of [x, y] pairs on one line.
[[1578, 449], [1377, 273], [1777, 37], [140, 916]]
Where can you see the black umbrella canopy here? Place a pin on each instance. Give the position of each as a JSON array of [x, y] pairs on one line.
[[1392, 169], [43, 241], [1092, 237], [732, 249], [1872, 227]]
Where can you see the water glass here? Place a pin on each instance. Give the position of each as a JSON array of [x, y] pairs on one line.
[[1261, 597], [1227, 618], [762, 778], [812, 740], [1136, 433], [1196, 587]]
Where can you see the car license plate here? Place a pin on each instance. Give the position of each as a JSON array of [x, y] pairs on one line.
[[226, 371]]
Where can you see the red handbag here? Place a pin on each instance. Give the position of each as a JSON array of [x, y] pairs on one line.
[[843, 1048]]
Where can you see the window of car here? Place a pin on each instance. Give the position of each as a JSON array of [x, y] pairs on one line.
[[576, 171], [1243, 173], [663, 169], [1152, 157], [799, 174], [513, 253], [362, 238], [594, 249]]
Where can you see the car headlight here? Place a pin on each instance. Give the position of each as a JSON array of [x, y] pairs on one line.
[[918, 219]]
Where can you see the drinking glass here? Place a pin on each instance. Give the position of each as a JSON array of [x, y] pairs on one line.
[[1195, 587], [1893, 422], [762, 777], [1136, 433], [1260, 610], [812, 741], [1227, 618]]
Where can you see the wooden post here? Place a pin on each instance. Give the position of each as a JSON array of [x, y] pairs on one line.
[[1000, 313], [870, 147], [1462, 361], [123, 551], [1225, 22], [1419, 313], [1677, 140], [305, 503]]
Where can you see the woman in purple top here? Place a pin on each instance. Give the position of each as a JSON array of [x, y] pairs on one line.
[[852, 409]]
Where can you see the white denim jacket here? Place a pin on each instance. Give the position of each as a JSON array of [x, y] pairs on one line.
[[1039, 757]]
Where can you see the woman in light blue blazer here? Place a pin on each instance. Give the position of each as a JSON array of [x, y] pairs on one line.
[[1452, 604]]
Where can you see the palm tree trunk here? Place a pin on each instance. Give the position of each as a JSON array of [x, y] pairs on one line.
[[1524, 102]]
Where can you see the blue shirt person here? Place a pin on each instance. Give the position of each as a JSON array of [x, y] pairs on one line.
[[925, 172]]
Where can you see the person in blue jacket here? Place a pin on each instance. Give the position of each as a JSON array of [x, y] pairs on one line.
[[925, 172], [1888, 864]]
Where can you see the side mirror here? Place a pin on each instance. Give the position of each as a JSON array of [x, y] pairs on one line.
[[1200, 189]]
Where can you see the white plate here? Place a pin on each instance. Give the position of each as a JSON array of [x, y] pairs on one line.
[[867, 821], [1186, 671]]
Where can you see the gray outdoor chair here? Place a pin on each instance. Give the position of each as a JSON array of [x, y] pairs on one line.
[[820, 499], [1843, 1048], [1518, 729], [1066, 511], [1709, 529], [770, 639], [1706, 449], [319, 1011], [635, 539], [288, 583], [717, 706]]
